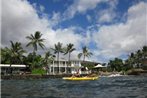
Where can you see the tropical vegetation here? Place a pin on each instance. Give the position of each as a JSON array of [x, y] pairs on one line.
[[85, 53], [135, 60], [15, 54], [70, 48], [57, 50]]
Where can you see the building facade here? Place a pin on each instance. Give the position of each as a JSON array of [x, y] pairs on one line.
[[13, 69], [65, 67]]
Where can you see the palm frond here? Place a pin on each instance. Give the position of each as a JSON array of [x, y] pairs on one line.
[[79, 55], [41, 45], [30, 43]]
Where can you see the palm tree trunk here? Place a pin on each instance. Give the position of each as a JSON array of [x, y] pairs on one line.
[[69, 57], [84, 58], [58, 62], [33, 58], [69, 63]]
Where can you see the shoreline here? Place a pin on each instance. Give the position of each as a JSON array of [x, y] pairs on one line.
[[35, 76], [43, 76]]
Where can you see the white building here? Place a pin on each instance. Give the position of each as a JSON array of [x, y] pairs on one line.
[[6, 68], [65, 67]]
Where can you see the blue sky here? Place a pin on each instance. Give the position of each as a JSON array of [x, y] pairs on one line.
[[109, 28], [80, 19]]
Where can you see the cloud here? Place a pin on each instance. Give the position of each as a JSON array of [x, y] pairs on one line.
[[118, 39], [108, 14], [55, 19], [20, 19], [64, 36], [81, 6], [88, 18]]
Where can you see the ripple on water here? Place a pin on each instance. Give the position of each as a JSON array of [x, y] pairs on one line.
[[105, 87]]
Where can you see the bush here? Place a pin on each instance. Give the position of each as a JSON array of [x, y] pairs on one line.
[[39, 71]]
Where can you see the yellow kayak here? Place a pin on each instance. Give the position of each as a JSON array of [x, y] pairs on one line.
[[80, 78]]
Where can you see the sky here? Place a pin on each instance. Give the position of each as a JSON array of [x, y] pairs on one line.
[[109, 28]]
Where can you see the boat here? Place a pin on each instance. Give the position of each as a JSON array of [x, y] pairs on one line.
[[80, 78]]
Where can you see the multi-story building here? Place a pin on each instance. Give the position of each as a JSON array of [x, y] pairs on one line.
[[66, 67]]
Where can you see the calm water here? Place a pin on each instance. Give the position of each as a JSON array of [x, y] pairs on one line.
[[105, 87]]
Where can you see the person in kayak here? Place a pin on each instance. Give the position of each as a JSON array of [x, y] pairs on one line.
[[77, 74]]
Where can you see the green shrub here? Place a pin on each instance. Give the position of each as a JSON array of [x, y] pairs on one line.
[[38, 71]]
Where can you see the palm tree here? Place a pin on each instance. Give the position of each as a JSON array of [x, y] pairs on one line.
[[16, 54], [144, 51], [16, 51], [116, 64], [69, 49], [85, 53], [35, 40], [48, 59], [57, 50], [5, 55], [132, 59]]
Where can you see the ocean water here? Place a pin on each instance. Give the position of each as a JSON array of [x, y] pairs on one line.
[[104, 87]]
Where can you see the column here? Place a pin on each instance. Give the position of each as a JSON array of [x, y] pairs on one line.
[[59, 67], [53, 67], [65, 67]]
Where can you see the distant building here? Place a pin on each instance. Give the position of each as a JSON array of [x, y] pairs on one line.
[[66, 67], [15, 69]]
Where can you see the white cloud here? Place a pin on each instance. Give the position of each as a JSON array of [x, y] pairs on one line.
[[20, 19], [88, 18], [64, 36], [121, 38], [108, 14], [81, 6], [41, 8], [55, 19]]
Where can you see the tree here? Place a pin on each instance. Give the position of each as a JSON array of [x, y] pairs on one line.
[[57, 50], [48, 59], [144, 51], [85, 53], [116, 64], [5, 55], [69, 49], [15, 54], [35, 40], [131, 60]]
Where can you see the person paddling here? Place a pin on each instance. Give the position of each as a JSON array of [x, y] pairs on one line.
[[77, 74]]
